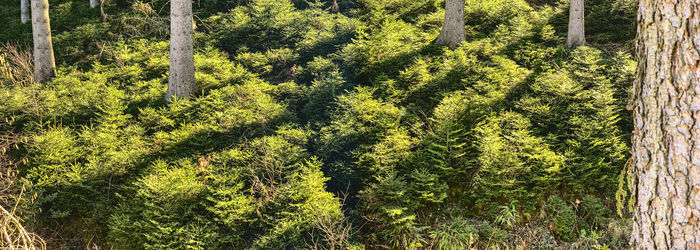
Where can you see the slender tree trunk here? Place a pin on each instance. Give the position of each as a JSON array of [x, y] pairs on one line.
[[94, 3], [577, 34], [44, 64], [666, 138], [24, 6], [181, 82], [453, 33], [335, 7], [102, 10]]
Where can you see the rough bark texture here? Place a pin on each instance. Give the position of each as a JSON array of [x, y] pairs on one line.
[[44, 64], [181, 82], [577, 34], [94, 3], [453, 33], [666, 138], [24, 6]]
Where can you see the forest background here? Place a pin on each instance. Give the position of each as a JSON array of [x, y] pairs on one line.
[[321, 127]]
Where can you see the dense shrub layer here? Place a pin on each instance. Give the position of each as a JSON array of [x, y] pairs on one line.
[[320, 128]]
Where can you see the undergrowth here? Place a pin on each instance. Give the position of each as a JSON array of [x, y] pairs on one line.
[[511, 140]]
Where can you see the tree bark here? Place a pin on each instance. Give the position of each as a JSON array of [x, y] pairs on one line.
[[335, 7], [577, 34], [453, 33], [102, 10], [24, 6], [666, 139], [44, 64], [181, 81], [94, 3]]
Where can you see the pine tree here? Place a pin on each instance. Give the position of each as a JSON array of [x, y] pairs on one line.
[[335, 7], [181, 82], [453, 32], [44, 63], [24, 6], [665, 171], [576, 36]]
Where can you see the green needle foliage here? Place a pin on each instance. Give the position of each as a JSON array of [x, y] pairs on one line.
[[316, 128]]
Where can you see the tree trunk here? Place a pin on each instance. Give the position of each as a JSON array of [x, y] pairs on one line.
[[94, 3], [24, 6], [577, 34], [335, 7], [44, 64], [666, 139], [181, 82], [453, 33], [102, 10]]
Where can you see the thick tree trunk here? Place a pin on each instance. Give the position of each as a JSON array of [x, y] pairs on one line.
[[44, 64], [453, 33], [666, 138], [24, 6], [94, 3], [577, 34], [181, 82]]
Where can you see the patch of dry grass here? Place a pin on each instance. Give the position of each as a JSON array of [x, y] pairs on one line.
[[15, 64], [13, 235]]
